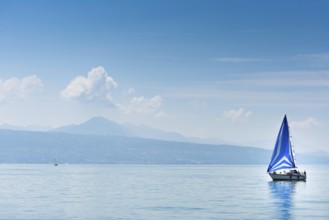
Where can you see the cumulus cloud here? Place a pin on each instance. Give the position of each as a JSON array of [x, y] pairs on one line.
[[142, 105], [97, 86], [19, 88], [308, 123], [235, 115]]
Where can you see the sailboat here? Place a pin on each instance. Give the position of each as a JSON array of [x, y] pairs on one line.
[[283, 164]]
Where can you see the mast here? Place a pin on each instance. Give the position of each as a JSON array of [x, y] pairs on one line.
[[291, 143]]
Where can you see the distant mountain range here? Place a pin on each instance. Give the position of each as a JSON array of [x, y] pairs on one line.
[[103, 126], [96, 126], [102, 141], [45, 147]]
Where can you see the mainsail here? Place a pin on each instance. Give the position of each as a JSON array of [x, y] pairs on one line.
[[282, 157]]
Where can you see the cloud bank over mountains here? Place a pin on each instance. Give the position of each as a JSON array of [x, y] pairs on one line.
[[98, 86]]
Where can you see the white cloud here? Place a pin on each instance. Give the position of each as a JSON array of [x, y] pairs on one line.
[[239, 59], [142, 105], [96, 86], [19, 88], [235, 115], [308, 123]]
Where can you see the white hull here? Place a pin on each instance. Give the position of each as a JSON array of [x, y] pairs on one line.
[[288, 176]]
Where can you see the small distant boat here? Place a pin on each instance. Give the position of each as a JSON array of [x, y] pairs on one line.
[[55, 163], [283, 164]]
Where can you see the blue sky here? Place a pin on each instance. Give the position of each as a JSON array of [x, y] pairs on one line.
[[224, 69]]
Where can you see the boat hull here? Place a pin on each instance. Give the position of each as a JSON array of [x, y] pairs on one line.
[[287, 177]]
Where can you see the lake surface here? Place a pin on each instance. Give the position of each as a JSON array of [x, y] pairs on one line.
[[159, 192]]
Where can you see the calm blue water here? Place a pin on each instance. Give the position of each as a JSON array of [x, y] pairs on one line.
[[159, 192]]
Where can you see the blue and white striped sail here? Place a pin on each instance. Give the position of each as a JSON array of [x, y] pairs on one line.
[[282, 157]]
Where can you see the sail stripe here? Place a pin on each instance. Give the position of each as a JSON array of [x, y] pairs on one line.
[[283, 161]]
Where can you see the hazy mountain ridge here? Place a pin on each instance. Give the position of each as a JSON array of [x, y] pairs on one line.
[[45, 147], [95, 126], [103, 126], [100, 140]]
